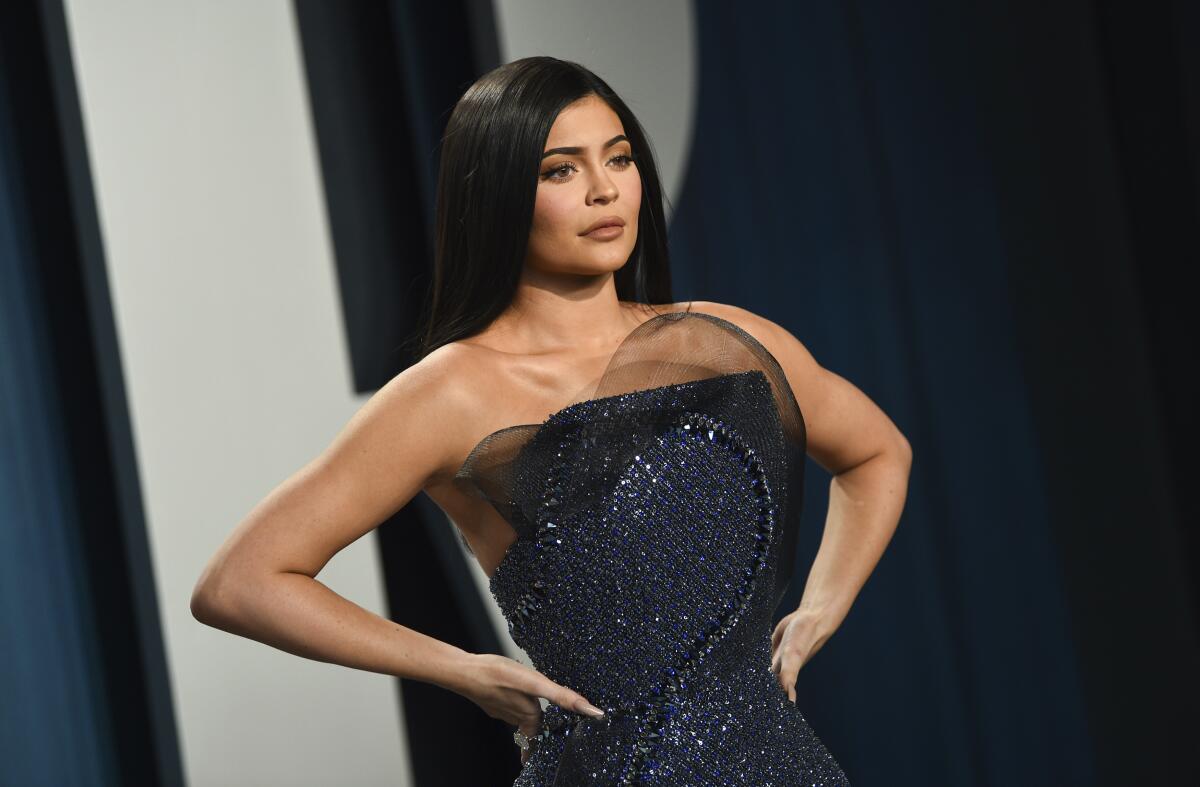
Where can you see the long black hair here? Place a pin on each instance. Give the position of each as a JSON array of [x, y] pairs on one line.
[[487, 184]]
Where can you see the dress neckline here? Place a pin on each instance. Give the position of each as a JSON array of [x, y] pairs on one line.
[[638, 330], [561, 413], [565, 409]]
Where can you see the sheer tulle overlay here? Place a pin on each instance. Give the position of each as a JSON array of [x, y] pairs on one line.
[[655, 527]]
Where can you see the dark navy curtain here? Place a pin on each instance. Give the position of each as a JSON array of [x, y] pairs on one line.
[[53, 707], [84, 696], [930, 197], [51, 714]]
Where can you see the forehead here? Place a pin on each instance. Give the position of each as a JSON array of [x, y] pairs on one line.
[[586, 123]]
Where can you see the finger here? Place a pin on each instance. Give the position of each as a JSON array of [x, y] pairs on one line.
[[529, 731], [566, 698], [779, 668], [532, 720], [526, 754], [776, 635], [791, 674], [781, 674], [529, 718], [788, 672]]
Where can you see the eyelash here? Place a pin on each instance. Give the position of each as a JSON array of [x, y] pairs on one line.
[[547, 175]]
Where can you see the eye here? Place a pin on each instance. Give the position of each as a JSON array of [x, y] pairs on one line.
[[561, 169], [560, 172]]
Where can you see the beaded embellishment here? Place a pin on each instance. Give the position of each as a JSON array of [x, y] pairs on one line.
[[659, 708], [654, 711], [655, 529], [545, 537]]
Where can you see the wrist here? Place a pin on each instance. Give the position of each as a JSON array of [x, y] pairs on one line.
[[821, 620], [454, 670]]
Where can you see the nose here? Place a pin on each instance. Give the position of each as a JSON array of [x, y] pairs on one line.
[[603, 190]]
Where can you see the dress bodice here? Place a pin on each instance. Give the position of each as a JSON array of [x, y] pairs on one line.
[[670, 362], [656, 527]]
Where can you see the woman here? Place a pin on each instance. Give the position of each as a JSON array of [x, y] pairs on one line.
[[628, 476]]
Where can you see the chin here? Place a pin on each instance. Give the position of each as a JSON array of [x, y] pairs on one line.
[[608, 254], [611, 263], [591, 263]]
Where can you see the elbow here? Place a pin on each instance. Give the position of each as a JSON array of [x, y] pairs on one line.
[[210, 603], [204, 605]]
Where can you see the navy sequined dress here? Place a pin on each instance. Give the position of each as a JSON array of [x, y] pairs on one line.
[[656, 531]]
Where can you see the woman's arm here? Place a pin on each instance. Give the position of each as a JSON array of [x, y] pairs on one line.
[[869, 459], [262, 584]]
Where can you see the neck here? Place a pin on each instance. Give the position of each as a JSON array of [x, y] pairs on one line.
[[541, 319]]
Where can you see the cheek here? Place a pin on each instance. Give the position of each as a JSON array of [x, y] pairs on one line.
[[552, 214], [631, 200], [631, 190]]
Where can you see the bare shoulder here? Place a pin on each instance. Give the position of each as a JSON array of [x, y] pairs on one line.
[[774, 337], [408, 432], [439, 396], [808, 381], [844, 426]]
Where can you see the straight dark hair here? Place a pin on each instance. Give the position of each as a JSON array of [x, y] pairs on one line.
[[491, 153]]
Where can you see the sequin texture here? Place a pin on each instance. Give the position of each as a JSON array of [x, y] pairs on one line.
[[650, 528]]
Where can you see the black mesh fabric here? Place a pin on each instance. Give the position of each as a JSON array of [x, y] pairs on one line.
[[668, 352]]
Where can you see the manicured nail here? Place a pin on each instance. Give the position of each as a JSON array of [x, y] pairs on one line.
[[593, 710]]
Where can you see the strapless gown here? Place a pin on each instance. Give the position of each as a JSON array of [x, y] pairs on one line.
[[656, 532]]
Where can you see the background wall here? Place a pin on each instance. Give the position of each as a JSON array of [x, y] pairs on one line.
[[234, 357], [232, 344]]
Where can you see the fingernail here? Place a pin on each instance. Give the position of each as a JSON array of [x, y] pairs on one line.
[[592, 710]]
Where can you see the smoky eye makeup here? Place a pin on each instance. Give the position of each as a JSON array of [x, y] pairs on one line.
[[559, 172]]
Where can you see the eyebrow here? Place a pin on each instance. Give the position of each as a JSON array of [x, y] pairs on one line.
[[573, 151]]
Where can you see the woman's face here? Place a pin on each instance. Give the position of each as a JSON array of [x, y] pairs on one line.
[[593, 180]]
